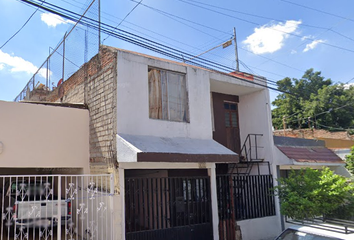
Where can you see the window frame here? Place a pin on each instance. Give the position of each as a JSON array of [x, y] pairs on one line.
[[185, 119]]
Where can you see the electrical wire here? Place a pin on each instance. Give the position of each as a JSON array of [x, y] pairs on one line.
[[350, 80], [138, 3], [20, 28], [318, 10], [268, 18], [174, 16], [184, 19], [247, 14], [319, 114], [255, 23], [140, 41], [330, 127]]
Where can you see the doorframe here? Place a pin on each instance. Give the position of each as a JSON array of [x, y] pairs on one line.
[[218, 115]]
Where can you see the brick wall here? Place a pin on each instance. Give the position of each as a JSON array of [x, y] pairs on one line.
[[95, 84]]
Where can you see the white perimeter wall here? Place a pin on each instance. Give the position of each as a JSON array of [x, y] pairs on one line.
[[133, 100], [38, 136], [266, 228]]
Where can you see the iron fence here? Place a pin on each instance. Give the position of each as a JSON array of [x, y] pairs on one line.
[[47, 207], [245, 196]]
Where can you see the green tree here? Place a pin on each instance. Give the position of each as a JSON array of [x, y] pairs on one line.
[[309, 193], [315, 97], [349, 160]]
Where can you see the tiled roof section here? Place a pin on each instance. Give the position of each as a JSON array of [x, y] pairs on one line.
[[311, 154]]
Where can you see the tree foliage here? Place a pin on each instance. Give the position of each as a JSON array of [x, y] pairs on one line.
[[349, 159], [316, 98], [310, 193]]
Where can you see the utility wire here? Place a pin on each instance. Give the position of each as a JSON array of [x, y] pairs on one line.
[[272, 60], [268, 18], [329, 127], [319, 114], [20, 27], [184, 19], [138, 3], [245, 13], [140, 41], [255, 23], [350, 80], [218, 39], [168, 14], [318, 10]]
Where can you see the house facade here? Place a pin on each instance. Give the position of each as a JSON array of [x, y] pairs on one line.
[[191, 149]]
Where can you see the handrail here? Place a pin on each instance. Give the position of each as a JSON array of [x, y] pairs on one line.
[[247, 148]]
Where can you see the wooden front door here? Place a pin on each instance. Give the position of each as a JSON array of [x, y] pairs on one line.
[[232, 127], [226, 126]]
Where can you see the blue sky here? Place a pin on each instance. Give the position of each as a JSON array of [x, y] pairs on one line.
[[276, 38]]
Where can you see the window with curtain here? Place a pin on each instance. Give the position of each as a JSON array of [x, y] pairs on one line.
[[168, 96]]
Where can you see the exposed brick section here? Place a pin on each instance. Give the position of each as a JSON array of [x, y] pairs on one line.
[[95, 84]]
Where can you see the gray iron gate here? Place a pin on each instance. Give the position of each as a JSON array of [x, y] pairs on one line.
[[56, 207], [176, 208]]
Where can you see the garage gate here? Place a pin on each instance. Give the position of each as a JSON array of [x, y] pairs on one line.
[[175, 208]]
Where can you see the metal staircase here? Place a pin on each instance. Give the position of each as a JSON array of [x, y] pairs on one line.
[[249, 156]]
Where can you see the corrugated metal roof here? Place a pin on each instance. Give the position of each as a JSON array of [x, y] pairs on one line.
[[310, 154]]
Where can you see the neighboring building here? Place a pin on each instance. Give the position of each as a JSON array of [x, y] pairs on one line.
[[298, 153], [44, 174], [39, 139], [191, 149], [339, 142]]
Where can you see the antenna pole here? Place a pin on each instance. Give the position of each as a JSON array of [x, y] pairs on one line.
[[236, 52]]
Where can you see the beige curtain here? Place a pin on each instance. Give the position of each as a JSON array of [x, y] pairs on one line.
[[155, 100]]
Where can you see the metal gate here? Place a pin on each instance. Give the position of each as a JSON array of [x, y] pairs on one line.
[[174, 208], [56, 207], [242, 197]]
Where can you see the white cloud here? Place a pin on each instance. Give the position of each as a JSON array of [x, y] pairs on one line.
[[348, 85], [307, 37], [270, 38], [312, 45], [18, 64], [52, 20], [293, 52]]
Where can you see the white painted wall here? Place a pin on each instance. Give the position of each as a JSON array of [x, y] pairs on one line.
[[342, 153], [133, 100], [38, 136], [255, 117], [260, 228]]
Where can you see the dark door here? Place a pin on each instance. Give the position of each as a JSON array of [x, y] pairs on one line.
[[231, 125], [226, 126]]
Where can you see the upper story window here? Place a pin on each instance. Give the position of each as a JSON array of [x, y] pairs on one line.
[[231, 115], [168, 96]]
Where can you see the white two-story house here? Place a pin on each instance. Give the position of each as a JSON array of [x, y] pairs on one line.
[[191, 148]]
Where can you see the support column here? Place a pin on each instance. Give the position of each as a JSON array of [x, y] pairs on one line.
[[214, 201], [122, 199]]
